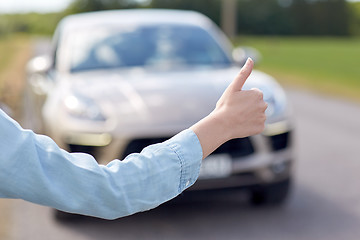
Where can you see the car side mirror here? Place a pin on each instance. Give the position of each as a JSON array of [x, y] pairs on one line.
[[37, 69], [40, 65], [242, 53]]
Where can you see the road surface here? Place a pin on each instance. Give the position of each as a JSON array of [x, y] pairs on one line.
[[324, 204]]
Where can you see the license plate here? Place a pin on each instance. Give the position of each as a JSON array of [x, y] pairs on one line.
[[216, 166]]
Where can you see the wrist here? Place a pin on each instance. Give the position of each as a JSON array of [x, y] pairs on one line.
[[220, 125], [211, 132]]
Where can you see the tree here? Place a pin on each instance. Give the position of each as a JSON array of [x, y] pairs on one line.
[[326, 17], [228, 17], [79, 6], [210, 8], [274, 17]]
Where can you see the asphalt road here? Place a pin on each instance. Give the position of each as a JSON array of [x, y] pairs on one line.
[[324, 204]]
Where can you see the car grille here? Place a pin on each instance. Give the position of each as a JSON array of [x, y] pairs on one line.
[[239, 147], [280, 141], [81, 148]]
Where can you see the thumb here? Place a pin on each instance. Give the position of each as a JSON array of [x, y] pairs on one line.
[[240, 79]]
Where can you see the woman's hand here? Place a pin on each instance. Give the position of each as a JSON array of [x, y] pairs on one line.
[[238, 113]]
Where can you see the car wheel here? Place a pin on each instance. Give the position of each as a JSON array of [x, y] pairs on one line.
[[271, 194]]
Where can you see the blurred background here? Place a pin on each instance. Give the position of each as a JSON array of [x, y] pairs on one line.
[[312, 47]]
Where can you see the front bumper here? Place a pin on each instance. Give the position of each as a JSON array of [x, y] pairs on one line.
[[259, 159], [260, 174]]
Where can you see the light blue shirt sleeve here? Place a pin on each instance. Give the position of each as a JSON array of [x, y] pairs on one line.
[[34, 168]]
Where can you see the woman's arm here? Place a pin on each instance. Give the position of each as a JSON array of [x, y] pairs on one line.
[[34, 168]]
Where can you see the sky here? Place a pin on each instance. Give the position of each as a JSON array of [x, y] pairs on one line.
[[21, 6]]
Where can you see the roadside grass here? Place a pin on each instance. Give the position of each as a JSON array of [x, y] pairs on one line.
[[14, 53], [325, 64]]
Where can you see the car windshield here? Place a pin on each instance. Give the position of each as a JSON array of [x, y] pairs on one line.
[[166, 46]]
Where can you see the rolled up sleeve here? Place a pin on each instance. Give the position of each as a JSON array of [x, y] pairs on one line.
[[187, 147]]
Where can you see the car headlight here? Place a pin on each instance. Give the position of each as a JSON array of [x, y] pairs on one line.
[[276, 99], [83, 108], [278, 113]]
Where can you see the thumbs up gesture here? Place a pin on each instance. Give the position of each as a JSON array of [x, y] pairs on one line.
[[243, 111], [238, 113]]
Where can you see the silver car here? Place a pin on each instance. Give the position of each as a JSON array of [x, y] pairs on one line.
[[118, 81]]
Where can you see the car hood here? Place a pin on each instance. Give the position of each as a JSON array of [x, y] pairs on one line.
[[145, 99]]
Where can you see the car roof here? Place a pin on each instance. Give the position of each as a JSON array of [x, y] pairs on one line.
[[135, 17]]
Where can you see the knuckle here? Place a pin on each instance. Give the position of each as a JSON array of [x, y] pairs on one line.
[[258, 130], [261, 127], [264, 118], [242, 71], [265, 106], [257, 93]]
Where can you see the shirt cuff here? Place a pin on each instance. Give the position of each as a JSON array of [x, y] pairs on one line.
[[187, 147]]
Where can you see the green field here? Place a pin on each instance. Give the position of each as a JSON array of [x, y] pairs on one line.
[[329, 65]]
